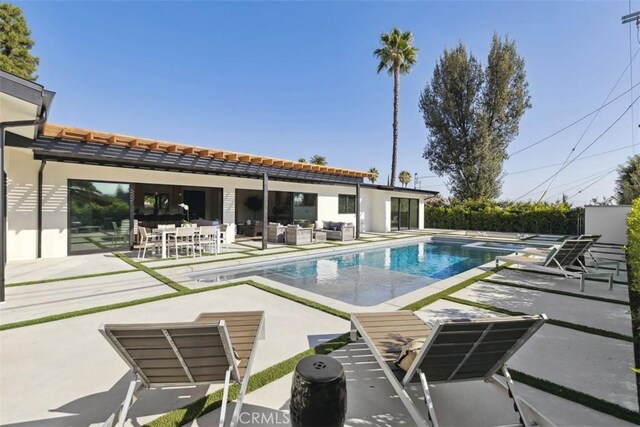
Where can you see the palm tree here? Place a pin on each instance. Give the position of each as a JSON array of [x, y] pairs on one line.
[[317, 159], [374, 174], [404, 177], [397, 55]]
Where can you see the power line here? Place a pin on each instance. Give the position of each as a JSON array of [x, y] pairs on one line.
[[581, 181], [585, 149], [633, 138], [595, 116], [559, 163], [590, 185], [575, 122]]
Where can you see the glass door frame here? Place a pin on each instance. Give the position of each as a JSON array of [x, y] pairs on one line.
[[397, 203]]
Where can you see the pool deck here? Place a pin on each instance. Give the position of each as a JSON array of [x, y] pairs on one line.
[[63, 372]]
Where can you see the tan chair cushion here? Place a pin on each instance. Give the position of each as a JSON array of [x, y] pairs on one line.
[[409, 353]]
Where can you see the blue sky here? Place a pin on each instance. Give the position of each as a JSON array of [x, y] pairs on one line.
[[294, 79]]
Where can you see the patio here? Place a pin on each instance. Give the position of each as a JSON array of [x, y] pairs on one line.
[[70, 391]]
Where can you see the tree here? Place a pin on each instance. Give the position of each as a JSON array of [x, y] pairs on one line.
[[254, 203], [317, 159], [472, 113], [397, 55], [628, 182], [302, 160], [374, 174], [15, 43], [404, 177]]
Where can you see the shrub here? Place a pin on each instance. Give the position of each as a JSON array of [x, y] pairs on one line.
[[552, 218], [633, 270]]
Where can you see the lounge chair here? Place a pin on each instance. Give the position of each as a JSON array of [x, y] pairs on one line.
[[564, 259], [599, 262], [454, 350], [213, 348]]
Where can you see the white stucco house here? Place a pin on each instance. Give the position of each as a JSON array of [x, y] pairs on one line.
[[72, 190]]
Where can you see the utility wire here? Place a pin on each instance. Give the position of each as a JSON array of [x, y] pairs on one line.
[[593, 183], [595, 116], [574, 183], [580, 182], [581, 152], [633, 138], [575, 122], [559, 163]]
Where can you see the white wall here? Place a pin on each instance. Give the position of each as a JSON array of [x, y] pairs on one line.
[[22, 173], [22, 199], [610, 221], [376, 207]]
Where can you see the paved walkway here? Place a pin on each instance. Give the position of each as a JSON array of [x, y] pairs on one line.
[[85, 379]]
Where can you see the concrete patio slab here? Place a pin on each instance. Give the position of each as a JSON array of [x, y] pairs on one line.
[[80, 379], [373, 402], [589, 363], [54, 268], [611, 317], [547, 281], [186, 260], [34, 301]]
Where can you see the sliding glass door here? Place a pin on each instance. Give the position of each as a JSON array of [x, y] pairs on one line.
[[404, 213], [98, 216]]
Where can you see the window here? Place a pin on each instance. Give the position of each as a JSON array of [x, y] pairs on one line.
[[305, 207], [346, 204], [156, 202], [98, 216]]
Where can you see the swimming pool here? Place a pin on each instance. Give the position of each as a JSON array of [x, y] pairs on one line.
[[370, 277]]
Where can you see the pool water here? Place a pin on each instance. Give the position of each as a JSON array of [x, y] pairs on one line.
[[374, 276]]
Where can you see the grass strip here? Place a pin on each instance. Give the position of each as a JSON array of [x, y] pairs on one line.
[[213, 401], [86, 311], [577, 396], [187, 291], [151, 272], [97, 243], [556, 291], [453, 289], [561, 323], [300, 300], [62, 279]]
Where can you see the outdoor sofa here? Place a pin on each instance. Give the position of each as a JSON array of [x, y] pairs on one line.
[[452, 351], [215, 347], [342, 231]]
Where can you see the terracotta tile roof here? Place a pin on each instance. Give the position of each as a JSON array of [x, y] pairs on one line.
[[78, 134]]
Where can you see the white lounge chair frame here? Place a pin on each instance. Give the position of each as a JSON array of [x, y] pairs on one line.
[[140, 382], [521, 407], [565, 257]]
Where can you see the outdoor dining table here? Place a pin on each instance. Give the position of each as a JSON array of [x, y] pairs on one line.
[[164, 232]]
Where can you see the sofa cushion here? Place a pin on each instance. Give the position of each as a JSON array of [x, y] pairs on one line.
[[318, 225], [326, 225]]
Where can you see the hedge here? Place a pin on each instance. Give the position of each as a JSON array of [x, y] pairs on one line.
[[538, 218], [633, 272]]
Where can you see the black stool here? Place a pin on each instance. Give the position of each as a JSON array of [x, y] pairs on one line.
[[318, 393]]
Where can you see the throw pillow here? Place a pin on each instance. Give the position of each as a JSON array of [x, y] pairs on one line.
[[326, 225], [409, 353]]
